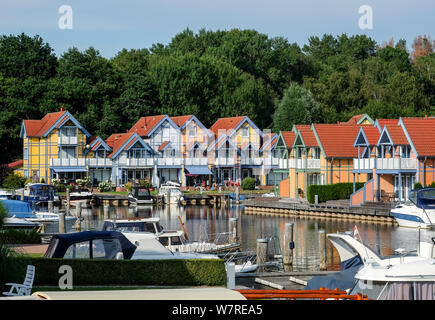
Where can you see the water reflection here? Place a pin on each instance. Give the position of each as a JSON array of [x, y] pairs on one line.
[[202, 221]]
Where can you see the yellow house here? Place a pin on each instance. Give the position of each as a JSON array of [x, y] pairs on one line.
[[54, 147]]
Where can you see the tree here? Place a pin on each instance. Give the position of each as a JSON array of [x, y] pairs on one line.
[[422, 46], [297, 106]]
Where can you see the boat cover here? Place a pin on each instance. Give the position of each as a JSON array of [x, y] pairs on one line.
[[18, 208], [426, 198], [67, 239], [343, 279], [198, 170]]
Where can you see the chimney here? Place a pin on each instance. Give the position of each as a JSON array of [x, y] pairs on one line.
[[425, 116], [61, 109]]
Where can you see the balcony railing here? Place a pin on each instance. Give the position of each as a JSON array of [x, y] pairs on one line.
[[363, 164], [202, 161], [100, 162], [169, 161], [283, 163], [271, 162], [73, 162], [396, 164], [304, 163], [137, 162], [252, 161], [67, 140]]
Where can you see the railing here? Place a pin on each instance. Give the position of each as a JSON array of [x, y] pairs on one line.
[[137, 162], [363, 164], [225, 161], [73, 162], [269, 162], [304, 163], [67, 140], [396, 163], [169, 161], [283, 163], [202, 161], [99, 162], [252, 161]]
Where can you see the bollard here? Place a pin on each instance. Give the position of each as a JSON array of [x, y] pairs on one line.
[[261, 253], [322, 250], [50, 206], [231, 275], [67, 205], [62, 225], [79, 216], [316, 199], [232, 229], [237, 195], [288, 244]]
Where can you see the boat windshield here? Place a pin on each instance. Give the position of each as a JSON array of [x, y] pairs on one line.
[[143, 192], [370, 288], [426, 199]]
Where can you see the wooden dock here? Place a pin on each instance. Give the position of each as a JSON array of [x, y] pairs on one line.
[[371, 212], [206, 199]]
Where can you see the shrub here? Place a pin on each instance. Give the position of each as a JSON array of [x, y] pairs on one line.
[[418, 185], [432, 185], [3, 214], [205, 272], [145, 183], [17, 236], [248, 183], [332, 191], [13, 181], [106, 186]]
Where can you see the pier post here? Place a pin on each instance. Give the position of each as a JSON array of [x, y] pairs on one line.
[[50, 206], [67, 204], [237, 195], [232, 229], [322, 249], [22, 195], [261, 253], [288, 244], [62, 225], [79, 216], [231, 275]]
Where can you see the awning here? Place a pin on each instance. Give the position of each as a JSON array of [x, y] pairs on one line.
[[198, 170], [69, 169]]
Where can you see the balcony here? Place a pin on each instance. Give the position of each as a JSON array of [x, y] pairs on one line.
[[100, 162], [305, 164], [169, 161], [202, 161], [137, 162], [271, 162], [363, 164], [396, 164], [283, 163], [73, 162], [257, 161], [223, 161], [67, 140]]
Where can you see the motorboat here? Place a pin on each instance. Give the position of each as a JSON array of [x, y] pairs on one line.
[[410, 279], [23, 210], [81, 194], [140, 196], [37, 194], [5, 194], [171, 189], [114, 245], [418, 211], [18, 223], [174, 240]]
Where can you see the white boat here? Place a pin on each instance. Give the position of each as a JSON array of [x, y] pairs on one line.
[[19, 223], [174, 240], [173, 190], [410, 279], [246, 267], [140, 196], [418, 211], [5, 194]]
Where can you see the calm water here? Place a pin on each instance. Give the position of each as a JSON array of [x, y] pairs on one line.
[[200, 221]]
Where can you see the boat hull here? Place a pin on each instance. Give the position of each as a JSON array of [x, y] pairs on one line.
[[413, 219]]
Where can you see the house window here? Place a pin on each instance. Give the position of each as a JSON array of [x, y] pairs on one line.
[[192, 131], [406, 152], [26, 154], [245, 132], [26, 174]]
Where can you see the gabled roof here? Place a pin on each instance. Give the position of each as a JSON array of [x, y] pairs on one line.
[[164, 145], [181, 120], [395, 133], [288, 137], [369, 134], [359, 119], [307, 135], [41, 128], [336, 140], [421, 133], [380, 123], [16, 164], [220, 142], [123, 141], [146, 125], [230, 125], [270, 141]]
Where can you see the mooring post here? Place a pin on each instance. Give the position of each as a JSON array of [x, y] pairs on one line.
[[50, 206], [237, 195], [22, 195], [106, 212], [62, 225], [231, 274], [261, 253], [322, 250], [67, 204], [316, 199], [168, 196], [288, 244], [79, 216], [232, 229]]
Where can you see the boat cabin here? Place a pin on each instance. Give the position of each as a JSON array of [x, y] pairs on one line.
[[423, 198], [142, 194], [136, 225]]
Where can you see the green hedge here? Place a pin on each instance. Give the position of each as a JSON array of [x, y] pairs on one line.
[[19, 236], [332, 191], [248, 183], [207, 272]]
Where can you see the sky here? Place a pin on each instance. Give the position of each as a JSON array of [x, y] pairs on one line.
[[109, 26]]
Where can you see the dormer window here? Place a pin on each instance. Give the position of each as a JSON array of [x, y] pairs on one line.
[[245, 132]]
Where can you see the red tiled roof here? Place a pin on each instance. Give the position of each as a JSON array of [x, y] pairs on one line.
[[337, 139], [96, 146], [354, 120], [397, 134], [181, 120], [226, 124], [308, 136], [372, 133], [15, 164], [145, 124], [37, 128], [422, 133], [116, 140], [289, 138], [384, 122]]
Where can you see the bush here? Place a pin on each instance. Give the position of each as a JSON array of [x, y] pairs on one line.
[[106, 186], [127, 272], [418, 185], [3, 214], [432, 185], [17, 236], [248, 183], [332, 191], [145, 183], [13, 181]]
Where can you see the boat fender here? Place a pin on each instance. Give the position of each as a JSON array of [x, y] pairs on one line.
[[291, 245]]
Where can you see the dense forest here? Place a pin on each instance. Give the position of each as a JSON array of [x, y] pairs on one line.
[[214, 74]]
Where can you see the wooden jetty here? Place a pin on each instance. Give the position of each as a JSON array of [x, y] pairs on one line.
[[206, 199], [340, 209]]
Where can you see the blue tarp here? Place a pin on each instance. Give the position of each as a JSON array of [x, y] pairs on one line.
[[17, 208], [204, 170]]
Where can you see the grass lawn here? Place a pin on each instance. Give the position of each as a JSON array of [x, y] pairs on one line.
[[99, 288]]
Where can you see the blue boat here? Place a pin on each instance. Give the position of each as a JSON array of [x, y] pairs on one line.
[[37, 194], [18, 209]]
